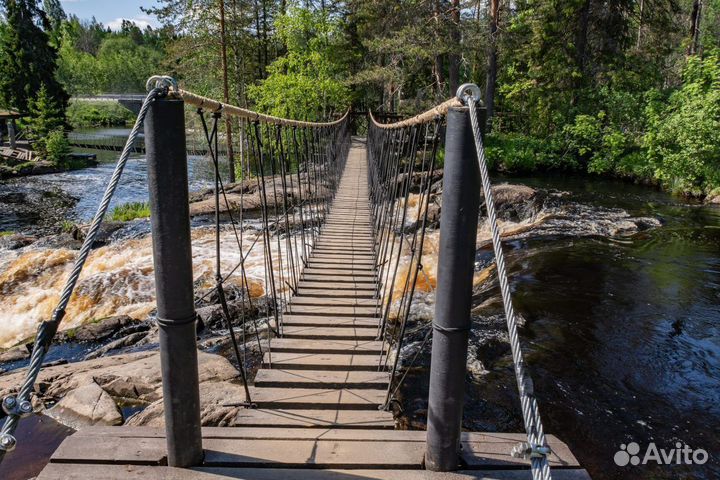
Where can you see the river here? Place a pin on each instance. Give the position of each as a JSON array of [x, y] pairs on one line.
[[622, 327]]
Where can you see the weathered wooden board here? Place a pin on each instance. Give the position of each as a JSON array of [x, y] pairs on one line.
[[330, 333], [132, 472], [290, 320], [320, 361], [356, 347], [334, 310], [318, 398], [320, 379]]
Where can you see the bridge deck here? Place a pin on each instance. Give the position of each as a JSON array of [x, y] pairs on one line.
[[318, 392]]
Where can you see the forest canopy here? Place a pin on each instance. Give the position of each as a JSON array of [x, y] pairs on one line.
[[625, 88]]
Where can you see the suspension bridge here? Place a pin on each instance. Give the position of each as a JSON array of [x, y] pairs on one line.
[[344, 224]]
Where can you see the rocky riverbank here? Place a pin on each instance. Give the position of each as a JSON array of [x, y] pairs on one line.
[[106, 371]]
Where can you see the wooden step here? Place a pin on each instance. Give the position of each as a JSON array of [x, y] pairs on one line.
[[320, 361], [324, 293], [345, 286], [273, 377], [312, 277], [318, 398], [330, 333], [352, 419], [64, 471], [357, 347], [333, 311], [368, 275], [290, 320], [334, 301], [331, 260], [386, 451]]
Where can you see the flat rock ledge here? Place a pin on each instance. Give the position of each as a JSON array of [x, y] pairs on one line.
[[94, 392]]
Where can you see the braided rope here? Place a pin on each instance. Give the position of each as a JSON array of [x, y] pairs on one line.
[[47, 330], [213, 105], [425, 117], [528, 402]]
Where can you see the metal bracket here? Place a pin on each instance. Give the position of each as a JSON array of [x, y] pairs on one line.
[[526, 451], [161, 81], [469, 91], [11, 406]]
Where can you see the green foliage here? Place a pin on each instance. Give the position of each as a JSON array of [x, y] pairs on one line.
[[6, 233], [83, 114], [519, 153], [45, 127], [67, 226], [57, 147], [307, 82], [27, 59], [683, 138], [115, 63], [130, 211]]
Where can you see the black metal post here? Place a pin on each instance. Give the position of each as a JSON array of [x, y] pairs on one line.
[[456, 259], [170, 219]]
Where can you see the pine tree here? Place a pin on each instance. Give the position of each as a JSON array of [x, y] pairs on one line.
[[27, 60], [45, 117]]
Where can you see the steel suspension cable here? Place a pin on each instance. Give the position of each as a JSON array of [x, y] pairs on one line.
[[536, 448]]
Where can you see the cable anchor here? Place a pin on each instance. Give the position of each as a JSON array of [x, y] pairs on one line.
[[11, 406], [469, 91], [526, 451]]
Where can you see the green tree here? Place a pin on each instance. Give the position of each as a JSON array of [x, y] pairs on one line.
[[27, 60], [46, 117], [308, 81], [683, 138]]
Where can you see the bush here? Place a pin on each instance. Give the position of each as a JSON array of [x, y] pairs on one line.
[[57, 147], [518, 153], [98, 114], [683, 137], [130, 211]]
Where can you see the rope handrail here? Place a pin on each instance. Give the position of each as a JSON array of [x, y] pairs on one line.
[[425, 117], [215, 106]]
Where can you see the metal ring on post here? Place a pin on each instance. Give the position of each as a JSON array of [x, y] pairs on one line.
[[161, 81], [468, 91]]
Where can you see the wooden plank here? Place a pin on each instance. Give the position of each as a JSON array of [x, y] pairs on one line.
[[348, 267], [318, 398], [339, 261], [320, 361], [311, 300], [343, 419], [357, 347], [122, 472], [338, 279], [334, 310], [334, 322], [320, 379], [363, 273], [330, 333], [259, 433], [324, 293], [345, 286], [330, 452], [313, 454]]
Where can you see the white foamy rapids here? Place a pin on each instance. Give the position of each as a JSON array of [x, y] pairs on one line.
[[117, 280]]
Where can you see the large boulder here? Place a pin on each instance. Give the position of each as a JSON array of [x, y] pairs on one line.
[[87, 405]]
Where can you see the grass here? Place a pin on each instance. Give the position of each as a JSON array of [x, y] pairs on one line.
[[130, 211], [6, 234]]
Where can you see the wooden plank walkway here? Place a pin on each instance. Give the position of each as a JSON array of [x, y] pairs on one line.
[[318, 392]]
